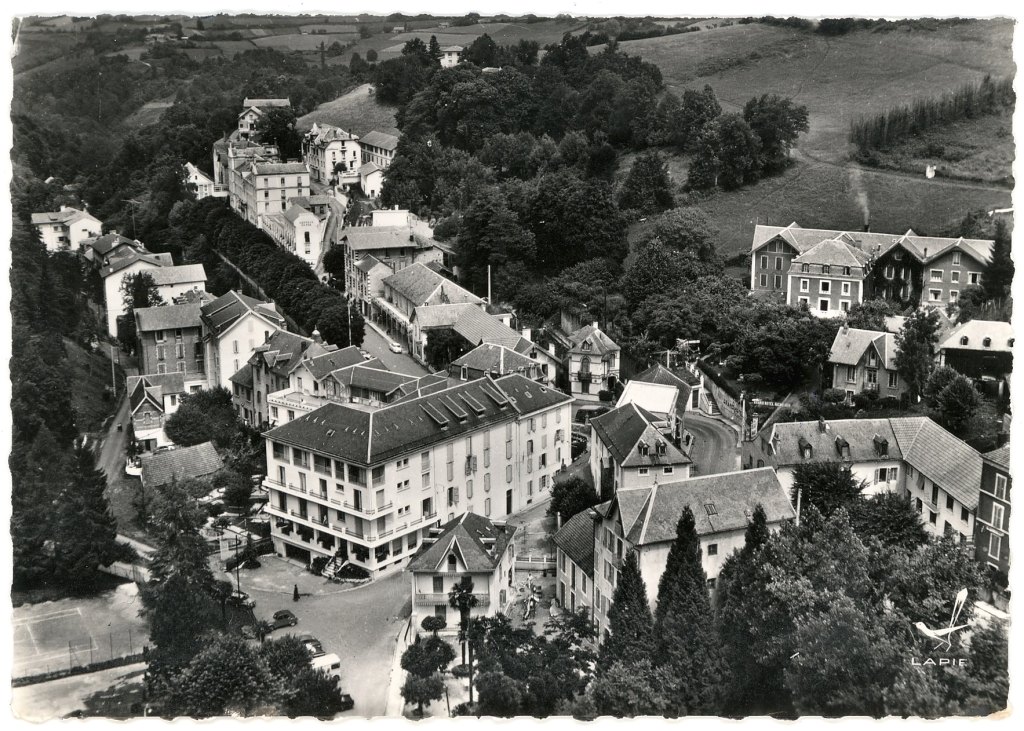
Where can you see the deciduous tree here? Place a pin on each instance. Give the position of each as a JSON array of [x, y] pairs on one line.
[[571, 496], [648, 187], [828, 486], [777, 122]]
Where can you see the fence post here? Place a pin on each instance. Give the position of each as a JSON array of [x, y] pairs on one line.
[[111, 634], [131, 649]]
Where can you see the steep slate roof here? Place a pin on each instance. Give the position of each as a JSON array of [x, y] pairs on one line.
[[224, 311], [952, 464], [851, 343], [371, 437], [976, 331], [380, 139], [322, 365], [465, 535], [488, 357], [360, 238], [368, 262], [833, 252], [576, 539], [180, 464], [282, 351], [623, 428], [859, 434], [999, 457], [419, 284], [599, 342], [632, 505], [168, 317], [803, 239], [279, 168], [243, 377], [182, 274], [720, 503], [68, 215], [107, 242], [131, 256]]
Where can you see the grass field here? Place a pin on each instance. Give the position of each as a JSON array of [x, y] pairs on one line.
[[149, 113], [302, 42], [230, 48], [35, 49], [90, 372], [357, 111], [975, 149]]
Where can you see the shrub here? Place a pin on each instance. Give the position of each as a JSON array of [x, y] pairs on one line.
[[833, 395], [317, 565], [604, 395], [461, 670]]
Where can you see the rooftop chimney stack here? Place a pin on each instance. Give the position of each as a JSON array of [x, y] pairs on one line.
[[822, 426]]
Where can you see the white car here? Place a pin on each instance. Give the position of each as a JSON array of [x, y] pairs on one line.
[[395, 348]]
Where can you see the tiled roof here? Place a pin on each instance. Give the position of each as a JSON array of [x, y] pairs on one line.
[[295, 212], [658, 373], [168, 317], [1000, 334], [833, 253], [224, 311], [243, 377], [368, 262], [952, 464], [282, 351], [154, 385], [632, 505], [280, 168], [107, 242], [276, 102], [599, 342], [419, 284], [488, 358], [410, 424], [720, 503], [368, 168], [184, 463], [476, 326], [434, 316], [131, 256], [184, 274], [68, 215], [373, 379], [325, 133], [320, 366], [623, 429], [380, 139], [654, 397], [999, 456], [576, 539], [851, 343], [364, 238], [466, 536], [859, 434]]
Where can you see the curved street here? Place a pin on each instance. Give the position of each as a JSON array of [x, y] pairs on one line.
[[714, 449]]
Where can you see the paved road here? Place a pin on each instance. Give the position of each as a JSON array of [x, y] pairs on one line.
[[376, 345], [714, 446], [112, 453], [360, 625]]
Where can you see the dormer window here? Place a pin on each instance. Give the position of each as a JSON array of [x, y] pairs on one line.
[[452, 563], [805, 267], [846, 271], [826, 269], [898, 255], [644, 449], [843, 447], [660, 446], [987, 342], [806, 450], [585, 345], [881, 446], [963, 340], [1009, 343]]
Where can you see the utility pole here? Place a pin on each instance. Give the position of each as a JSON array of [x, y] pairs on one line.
[[348, 318], [134, 203], [113, 376]]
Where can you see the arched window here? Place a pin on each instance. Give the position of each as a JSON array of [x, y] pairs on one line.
[[987, 342], [1009, 343], [963, 340], [585, 365]]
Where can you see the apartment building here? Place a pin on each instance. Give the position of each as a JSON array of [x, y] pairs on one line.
[[645, 520], [906, 268], [170, 340], [368, 485], [593, 363], [379, 148], [171, 281], [992, 528], [232, 160], [267, 187], [912, 455], [628, 450], [394, 246], [298, 229], [450, 56], [574, 559], [233, 326], [469, 545], [332, 154], [864, 361], [67, 228]]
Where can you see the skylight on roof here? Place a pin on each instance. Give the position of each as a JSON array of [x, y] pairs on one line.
[[710, 509]]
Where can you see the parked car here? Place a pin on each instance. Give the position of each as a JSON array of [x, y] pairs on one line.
[[312, 645], [240, 599], [395, 348], [366, 356], [347, 704], [283, 618]]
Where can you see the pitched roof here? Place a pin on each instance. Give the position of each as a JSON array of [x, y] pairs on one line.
[[132, 256], [720, 503], [368, 262], [999, 333], [599, 342], [859, 435], [658, 373], [66, 215], [279, 168], [326, 133], [184, 463], [653, 397], [479, 543], [257, 102], [626, 429], [380, 139], [224, 311], [107, 242], [492, 358], [576, 539], [322, 365], [243, 376], [373, 378], [410, 424], [419, 284], [850, 344], [369, 168], [363, 238], [999, 456], [476, 326], [452, 48], [282, 351], [952, 464], [833, 252], [168, 317], [183, 274]]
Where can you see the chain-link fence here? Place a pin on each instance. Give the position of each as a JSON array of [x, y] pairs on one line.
[[82, 654]]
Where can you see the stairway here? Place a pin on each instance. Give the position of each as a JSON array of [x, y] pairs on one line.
[[712, 406], [333, 566]]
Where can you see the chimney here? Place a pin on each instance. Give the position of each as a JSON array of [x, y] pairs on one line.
[[926, 252], [822, 425], [528, 334], [595, 325], [846, 328], [867, 227], [316, 336]]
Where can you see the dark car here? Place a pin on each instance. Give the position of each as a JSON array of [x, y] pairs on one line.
[[283, 618], [312, 645], [240, 599], [347, 704]]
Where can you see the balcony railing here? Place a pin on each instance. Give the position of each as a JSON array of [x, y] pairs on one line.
[[442, 598]]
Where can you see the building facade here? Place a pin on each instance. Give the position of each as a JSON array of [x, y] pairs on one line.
[[67, 228], [370, 484], [170, 340], [233, 326], [992, 529], [593, 363], [864, 361], [379, 148], [267, 187], [332, 154]]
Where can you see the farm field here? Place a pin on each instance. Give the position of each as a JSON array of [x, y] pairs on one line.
[[303, 42], [35, 49], [230, 48], [150, 112], [357, 111]]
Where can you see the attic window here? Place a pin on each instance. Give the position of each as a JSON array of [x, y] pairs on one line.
[[710, 509], [330, 432], [842, 447], [963, 340], [1009, 343], [452, 563], [881, 446], [644, 449], [987, 342], [660, 447], [806, 450], [846, 271], [585, 345]]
